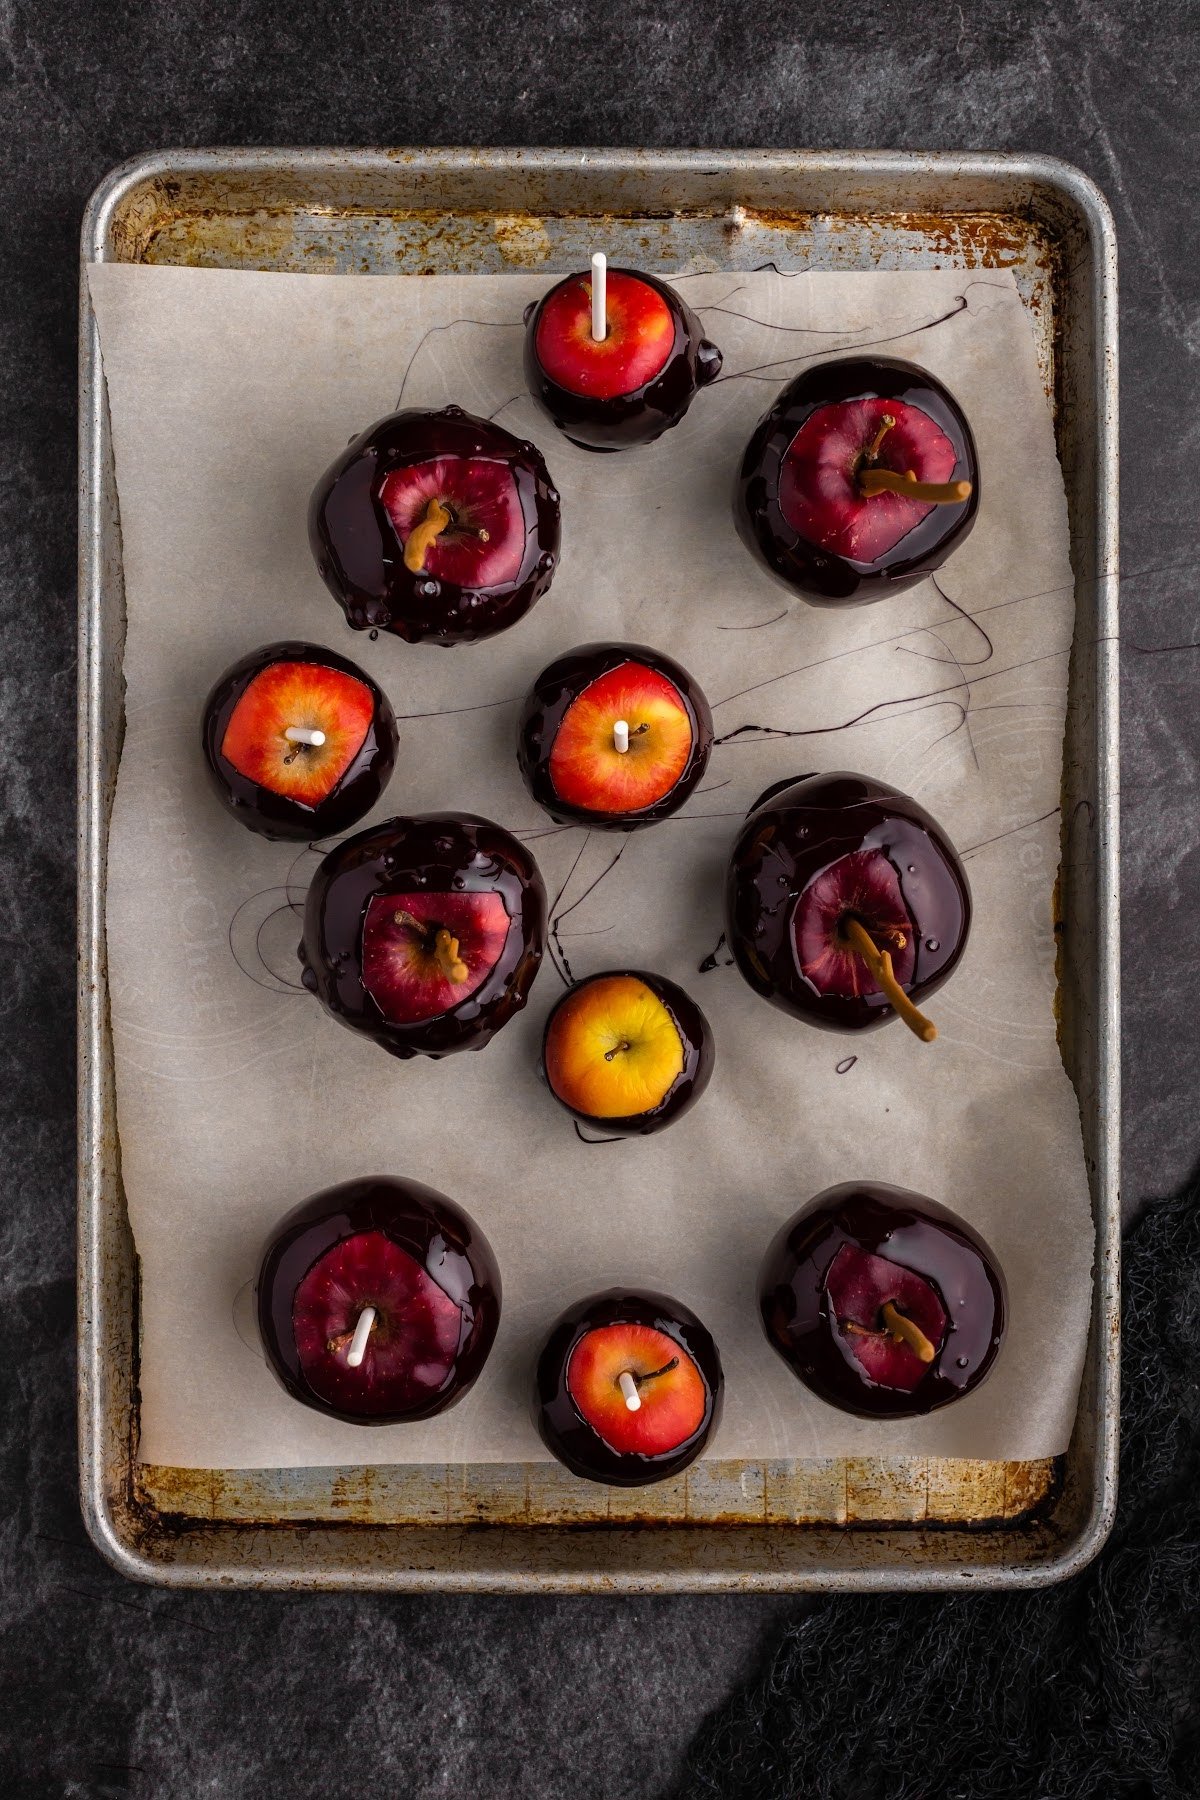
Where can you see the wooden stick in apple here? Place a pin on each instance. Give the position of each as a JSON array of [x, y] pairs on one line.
[[599, 296], [880, 964], [932, 493], [304, 734], [621, 736], [629, 1387], [362, 1331]]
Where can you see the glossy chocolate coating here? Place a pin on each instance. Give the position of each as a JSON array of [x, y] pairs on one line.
[[275, 815], [563, 1428], [553, 693], [643, 415], [441, 853], [822, 576], [904, 1228], [434, 1231], [699, 1057], [361, 559], [793, 832]]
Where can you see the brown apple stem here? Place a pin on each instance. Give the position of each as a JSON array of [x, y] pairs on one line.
[[423, 534], [934, 493], [903, 1328], [655, 1373], [873, 448], [880, 964], [445, 948]]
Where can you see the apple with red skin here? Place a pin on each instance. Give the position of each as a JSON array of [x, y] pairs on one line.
[[820, 851], [627, 1051], [566, 748], [580, 1407], [412, 1255], [283, 788], [425, 933], [803, 502], [436, 526], [631, 385], [881, 1301]]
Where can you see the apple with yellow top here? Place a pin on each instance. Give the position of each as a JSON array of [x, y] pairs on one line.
[[627, 1051]]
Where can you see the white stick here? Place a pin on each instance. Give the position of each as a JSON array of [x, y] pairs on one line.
[[628, 1387], [362, 1331], [621, 736], [300, 734], [599, 295]]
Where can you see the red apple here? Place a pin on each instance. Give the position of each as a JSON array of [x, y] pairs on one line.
[[287, 696], [424, 953], [615, 736], [378, 1301], [474, 524], [299, 742], [413, 1340], [886, 1318], [628, 1387], [820, 491], [862, 886], [859, 481], [668, 1387], [586, 768], [639, 340], [425, 933]]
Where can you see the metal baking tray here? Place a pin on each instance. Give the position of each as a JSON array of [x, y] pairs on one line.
[[900, 1523]]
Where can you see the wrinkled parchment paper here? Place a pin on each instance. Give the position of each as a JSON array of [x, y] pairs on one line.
[[230, 392]]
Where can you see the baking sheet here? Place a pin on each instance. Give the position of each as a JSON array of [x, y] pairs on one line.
[[229, 394]]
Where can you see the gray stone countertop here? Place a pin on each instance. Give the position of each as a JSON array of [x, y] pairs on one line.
[[115, 1690]]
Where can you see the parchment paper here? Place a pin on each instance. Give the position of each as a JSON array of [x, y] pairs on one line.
[[230, 392]]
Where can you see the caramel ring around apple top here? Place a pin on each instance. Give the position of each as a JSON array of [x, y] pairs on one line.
[[827, 496]]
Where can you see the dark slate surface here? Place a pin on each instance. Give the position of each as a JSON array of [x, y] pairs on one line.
[[116, 1690]]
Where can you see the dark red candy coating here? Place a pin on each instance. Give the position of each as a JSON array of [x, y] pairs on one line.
[[824, 848], [556, 689], [797, 504], [635, 418], [275, 815], [861, 1246], [571, 1437], [457, 857], [496, 558], [419, 1260]]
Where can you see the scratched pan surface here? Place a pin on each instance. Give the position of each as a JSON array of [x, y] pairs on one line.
[[877, 1523]]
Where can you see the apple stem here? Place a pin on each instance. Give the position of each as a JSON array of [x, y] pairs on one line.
[[873, 448], [423, 535], [629, 1388], [599, 296], [362, 1331], [880, 964], [616, 1050], [934, 493], [909, 1333]]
